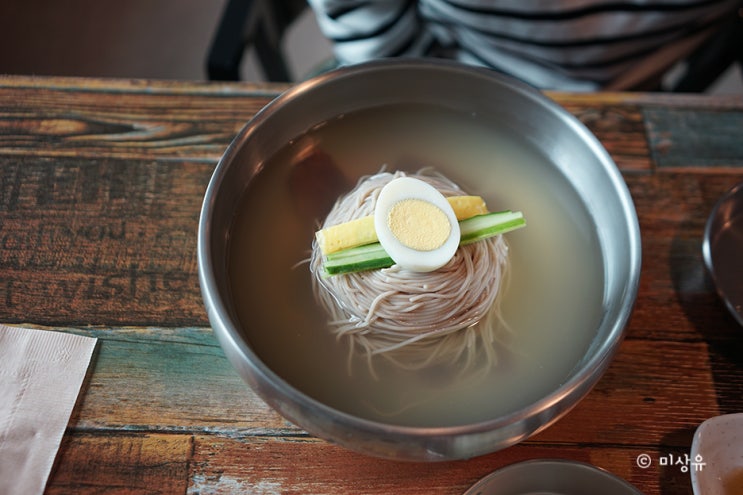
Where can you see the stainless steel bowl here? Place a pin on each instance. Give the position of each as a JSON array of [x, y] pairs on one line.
[[548, 127], [554, 476]]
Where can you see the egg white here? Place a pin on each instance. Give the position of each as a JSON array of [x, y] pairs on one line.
[[416, 260]]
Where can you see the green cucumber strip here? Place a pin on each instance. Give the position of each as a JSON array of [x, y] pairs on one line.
[[373, 256], [356, 259], [487, 225]]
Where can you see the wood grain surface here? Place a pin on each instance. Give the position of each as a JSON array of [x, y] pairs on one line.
[[100, 193]]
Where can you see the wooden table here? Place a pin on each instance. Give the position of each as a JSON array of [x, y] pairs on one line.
[[102, 182]]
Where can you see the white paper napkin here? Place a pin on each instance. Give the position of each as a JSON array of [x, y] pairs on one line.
[[40, 377]]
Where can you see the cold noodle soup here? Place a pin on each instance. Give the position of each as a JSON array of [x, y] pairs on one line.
[[550, 306]]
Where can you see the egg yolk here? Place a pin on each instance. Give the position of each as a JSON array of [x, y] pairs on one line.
[[418, 224]]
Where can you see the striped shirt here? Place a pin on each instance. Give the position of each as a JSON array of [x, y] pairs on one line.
[[566, 44]]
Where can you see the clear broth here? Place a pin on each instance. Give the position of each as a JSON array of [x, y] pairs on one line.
[[553, 303]]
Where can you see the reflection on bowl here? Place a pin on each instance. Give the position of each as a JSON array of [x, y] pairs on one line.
[[574, 268]]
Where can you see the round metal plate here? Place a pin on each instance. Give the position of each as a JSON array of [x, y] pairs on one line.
[[722, 248]]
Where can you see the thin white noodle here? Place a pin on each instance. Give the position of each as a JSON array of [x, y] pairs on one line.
[[415, 319]]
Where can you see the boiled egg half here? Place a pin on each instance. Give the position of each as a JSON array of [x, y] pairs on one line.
[[416, 225]]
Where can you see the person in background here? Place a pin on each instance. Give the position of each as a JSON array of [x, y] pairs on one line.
[[576, 45]]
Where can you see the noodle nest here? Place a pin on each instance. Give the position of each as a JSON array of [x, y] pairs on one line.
[[450, 315]]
